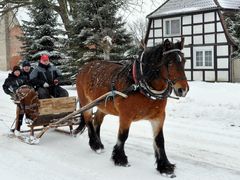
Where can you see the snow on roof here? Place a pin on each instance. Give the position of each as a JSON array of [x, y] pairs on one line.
[[178, 7], [229, 4]]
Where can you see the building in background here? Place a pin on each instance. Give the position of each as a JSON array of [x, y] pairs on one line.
[[208, 44], [10, 46]]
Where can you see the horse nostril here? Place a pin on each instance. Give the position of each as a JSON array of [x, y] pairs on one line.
[[180, 91]]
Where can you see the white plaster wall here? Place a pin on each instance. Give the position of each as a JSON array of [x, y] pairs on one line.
[[222, 50], [209, 28], [158, 41], [198, 18], [209, 76], [221, 38], [187, 52], [150, 34], [150, 43], [158, 23], [197, 29], [222, 63], [187, 40], [198, 39], [187, 30], [208, 17], [158, 32], [198, 75], [187, 19], [222, 76], [219, 27], [210, 38]]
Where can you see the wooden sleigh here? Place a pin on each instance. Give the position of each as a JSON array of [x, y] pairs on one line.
[[59, 112]]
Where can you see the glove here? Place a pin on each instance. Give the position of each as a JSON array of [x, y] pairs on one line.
[[45, 85], [55, 81]]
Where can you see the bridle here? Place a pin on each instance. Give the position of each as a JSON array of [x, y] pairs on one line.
[[142, 84]]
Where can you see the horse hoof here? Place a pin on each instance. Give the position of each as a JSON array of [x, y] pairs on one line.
[[123, 164], [167, 169], [96, 146], [120, 161], [169, 175]]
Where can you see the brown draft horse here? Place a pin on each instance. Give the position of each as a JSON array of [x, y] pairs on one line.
[[158, 71]]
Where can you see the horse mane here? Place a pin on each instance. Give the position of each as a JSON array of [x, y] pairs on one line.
[[152, 57], [152, 60]]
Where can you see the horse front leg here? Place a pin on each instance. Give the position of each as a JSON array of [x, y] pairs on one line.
[[163, 164], [118, 155]]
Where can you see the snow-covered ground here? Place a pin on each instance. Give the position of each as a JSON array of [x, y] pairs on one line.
[[202, 134]]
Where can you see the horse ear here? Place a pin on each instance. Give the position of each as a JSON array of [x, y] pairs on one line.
[[167, 45], [181, 43]]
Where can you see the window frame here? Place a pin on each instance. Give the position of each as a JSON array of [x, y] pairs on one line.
[[203, 50], [170, 26]]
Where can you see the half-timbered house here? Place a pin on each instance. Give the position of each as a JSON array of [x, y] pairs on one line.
[[208, 43]]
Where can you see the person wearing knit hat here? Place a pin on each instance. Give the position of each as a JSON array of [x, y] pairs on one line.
[[26, 69], [13, 81], [11, 84], [45, 79]]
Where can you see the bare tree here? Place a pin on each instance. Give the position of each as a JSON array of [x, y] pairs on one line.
[[138, 30]]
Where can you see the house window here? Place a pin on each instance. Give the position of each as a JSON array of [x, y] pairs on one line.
[[203, 57], [172, 27]]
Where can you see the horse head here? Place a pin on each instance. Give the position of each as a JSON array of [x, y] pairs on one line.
[[162, 69], [174, 62], [28, 100]]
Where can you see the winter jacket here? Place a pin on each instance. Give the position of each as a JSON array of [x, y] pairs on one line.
[[27, 74], [44, 73], [12, 83]]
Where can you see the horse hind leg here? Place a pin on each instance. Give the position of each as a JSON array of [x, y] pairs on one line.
[[94, 141], [97, 122], [163, 164], [81, 127]]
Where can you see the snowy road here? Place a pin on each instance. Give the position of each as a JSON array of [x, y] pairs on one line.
[[202, 135]]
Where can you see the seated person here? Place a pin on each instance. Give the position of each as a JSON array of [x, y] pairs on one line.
[[26, 69], [45, 79], [14, 81], [11, 84]]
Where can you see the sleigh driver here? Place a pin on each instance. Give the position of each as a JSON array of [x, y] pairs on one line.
[[45, 79]]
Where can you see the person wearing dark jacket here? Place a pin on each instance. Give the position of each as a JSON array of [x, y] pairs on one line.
[[26, 69], [45, 79], [14, 81], [11, 84]]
